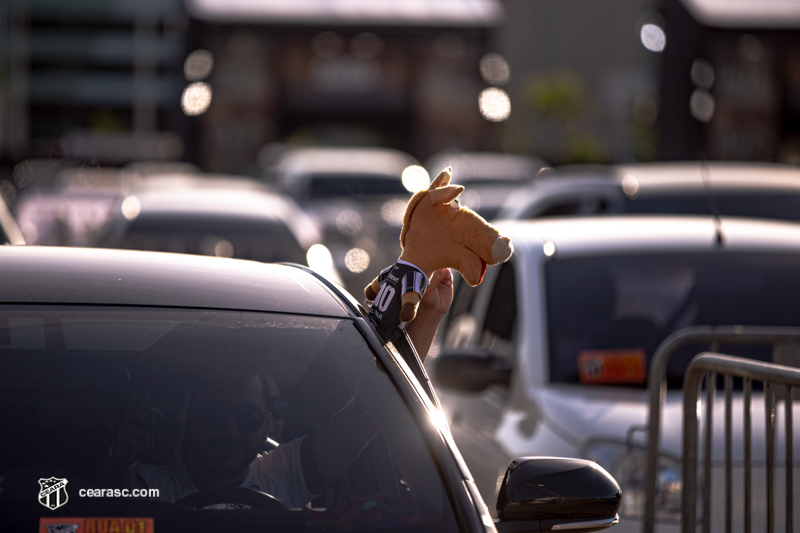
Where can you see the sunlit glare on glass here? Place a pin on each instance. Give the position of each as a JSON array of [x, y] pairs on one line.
[[198, 65], [751, 47], [653, 38], [439, 419], [349, 222], [470, 199], [702, 73], [366, 45], [415, 178], [495, 105], [549, 248], [356, 260], [196, 98], [223, 248], [630, 185], [327, 44], [495, 69], [319, 258], [392, 212], [131, 207], [702, 105]]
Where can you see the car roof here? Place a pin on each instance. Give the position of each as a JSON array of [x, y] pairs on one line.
[[219, 201], [337, 160], [485, 166], [67, 275], [679, 176], [649, 233]]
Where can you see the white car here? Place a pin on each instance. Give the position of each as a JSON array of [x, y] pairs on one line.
[[549, 355], [762, 190]]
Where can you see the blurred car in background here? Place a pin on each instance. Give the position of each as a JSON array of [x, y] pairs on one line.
[[761, 190], [225, 216], [488, 176], [85, 331], [357, 196], [9, 230], [550, 354]]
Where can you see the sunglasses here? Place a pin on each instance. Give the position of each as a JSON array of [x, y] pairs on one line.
[[248, 417]]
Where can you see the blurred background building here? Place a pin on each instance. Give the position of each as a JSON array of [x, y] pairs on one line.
[[218, 83]]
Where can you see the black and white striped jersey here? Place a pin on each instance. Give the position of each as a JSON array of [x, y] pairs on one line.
[[395, 281]]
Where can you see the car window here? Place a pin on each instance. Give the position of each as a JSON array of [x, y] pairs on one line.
[[260, 240], [779, 206], [499, 325], [70, 374], [607, 315], [358, 186]]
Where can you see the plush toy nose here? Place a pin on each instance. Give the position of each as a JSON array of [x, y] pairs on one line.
[[502, 249]]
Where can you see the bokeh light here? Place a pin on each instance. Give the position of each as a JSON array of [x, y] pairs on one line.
[[630, 185], [653, 37], [494, 104], [196, 98], [549, 248], [356, 260], [702, 105], [366, 45], [198, 65], [131, 207], [392, 212], [702, 73], [349, 222], [319, 258], [495, 69], [415, 178]]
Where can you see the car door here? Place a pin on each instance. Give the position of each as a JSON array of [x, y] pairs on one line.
[[484, 319]]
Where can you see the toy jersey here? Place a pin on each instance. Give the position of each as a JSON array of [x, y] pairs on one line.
[[395, 281]]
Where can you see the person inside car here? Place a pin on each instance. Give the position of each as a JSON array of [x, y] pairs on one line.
[[228, 421]]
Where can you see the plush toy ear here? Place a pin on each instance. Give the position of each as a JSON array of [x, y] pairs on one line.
[[442, 179], [445, 194]]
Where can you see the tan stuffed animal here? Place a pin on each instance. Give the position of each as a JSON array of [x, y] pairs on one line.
[[437, 233]]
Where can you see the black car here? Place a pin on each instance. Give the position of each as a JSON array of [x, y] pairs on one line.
[[90, 337]]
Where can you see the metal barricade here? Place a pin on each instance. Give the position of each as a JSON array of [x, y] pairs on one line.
[[712, 336], [706, 367]]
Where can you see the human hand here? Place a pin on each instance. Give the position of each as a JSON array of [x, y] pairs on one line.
[[439, 294]]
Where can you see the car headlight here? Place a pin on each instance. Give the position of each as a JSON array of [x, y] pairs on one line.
[[628, 464]]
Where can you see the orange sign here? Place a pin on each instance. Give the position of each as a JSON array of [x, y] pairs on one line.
[[101, 524], [612, 366]]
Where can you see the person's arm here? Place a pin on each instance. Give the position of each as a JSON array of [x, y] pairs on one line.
[[432, 308]]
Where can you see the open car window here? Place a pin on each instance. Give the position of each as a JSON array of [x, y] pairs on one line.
[[68, 375]]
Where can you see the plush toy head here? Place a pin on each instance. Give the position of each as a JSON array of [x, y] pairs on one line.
[[437, 233]]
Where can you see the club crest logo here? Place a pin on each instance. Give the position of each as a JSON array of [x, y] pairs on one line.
[[53, 492]]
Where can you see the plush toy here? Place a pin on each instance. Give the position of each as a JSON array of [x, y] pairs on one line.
[[437, 233]]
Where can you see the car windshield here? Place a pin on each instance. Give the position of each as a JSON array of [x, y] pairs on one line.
[[261, 240], [354, 186], [777, 205], [608, 314], [70, 374]]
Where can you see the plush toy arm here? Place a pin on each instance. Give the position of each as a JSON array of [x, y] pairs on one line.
[[371, 290], [409, 310]]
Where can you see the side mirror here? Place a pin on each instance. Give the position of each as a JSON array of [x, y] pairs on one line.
[[556, 493], [471, 371]]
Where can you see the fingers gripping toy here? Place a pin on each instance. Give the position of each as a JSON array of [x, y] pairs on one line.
[[437, 233]]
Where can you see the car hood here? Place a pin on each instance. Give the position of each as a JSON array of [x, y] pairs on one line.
[[583, 413]]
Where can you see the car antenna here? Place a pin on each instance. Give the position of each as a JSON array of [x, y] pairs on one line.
[[712, 201]]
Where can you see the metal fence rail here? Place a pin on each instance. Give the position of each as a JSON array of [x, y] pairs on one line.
[[706, 367], [712, 336]]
